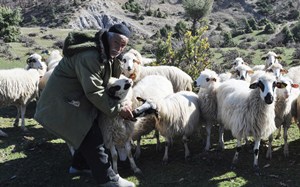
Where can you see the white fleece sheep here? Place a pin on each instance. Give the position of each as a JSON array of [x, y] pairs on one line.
[[285, 110], [179, 79], [35, 61], [248, 112], [177, 114], [150, 87], [133, 56], [52, 61], [116, 131], [270, 58], [208, 82], [18, 87], [293, 73]]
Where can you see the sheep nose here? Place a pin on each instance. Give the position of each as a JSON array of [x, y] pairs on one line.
[[129, 68], [195, 83], [269, 98], [242, 78]]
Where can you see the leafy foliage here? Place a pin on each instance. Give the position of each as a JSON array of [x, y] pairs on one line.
[[9, 23], [191, 53]]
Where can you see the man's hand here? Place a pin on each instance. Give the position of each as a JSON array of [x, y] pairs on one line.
[[126, 113]]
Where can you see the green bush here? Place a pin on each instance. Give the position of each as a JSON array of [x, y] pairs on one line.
[[9, 23], [269, 28]]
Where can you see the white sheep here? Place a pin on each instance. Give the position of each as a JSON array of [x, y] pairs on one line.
[[116, 131], [277, 70], [179, 79], [270, 58], [18, 87], [208, 82], [248, 112], [293, 73], [133, 56], [150, 87], [52, 61], [285, 110], [35, 61], [177, 114]]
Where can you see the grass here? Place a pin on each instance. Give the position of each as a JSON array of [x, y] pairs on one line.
[[37, 158]]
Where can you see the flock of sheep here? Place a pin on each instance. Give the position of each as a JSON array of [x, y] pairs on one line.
[[248, 101]]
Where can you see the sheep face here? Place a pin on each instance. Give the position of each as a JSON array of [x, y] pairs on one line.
[[206, 79], [243, 71], [285, 87], [148, 107], [119, 88], [277, 70], [128, 63], [271, 58], [35, 61], [238, 61], [267, 85]]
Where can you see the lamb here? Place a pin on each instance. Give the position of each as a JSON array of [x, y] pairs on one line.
[[270, 58], [208, 82], [247, 111], [117, 131], [150, 87], [178, 113], [19, 87], [285, 110]]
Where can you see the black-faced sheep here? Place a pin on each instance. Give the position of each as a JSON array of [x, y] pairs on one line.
[[248, 112], [117, 132]]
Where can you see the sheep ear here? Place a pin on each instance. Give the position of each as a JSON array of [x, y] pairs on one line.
[[295, 85], [213, 79], [253, 85], [284, 71], [281, 85], [136, 61], [141, 99], [250, 71], [278, 57], [264, 58]]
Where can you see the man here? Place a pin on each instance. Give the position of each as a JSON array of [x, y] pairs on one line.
[[75, 95]]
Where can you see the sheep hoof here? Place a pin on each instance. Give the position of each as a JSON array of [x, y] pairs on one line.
[[256, 170], [138, 172], [165, 162]]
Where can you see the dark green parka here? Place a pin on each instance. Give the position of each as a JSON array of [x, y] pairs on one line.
[[75, 93]]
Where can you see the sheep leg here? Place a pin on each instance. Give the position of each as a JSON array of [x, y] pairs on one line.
[[114, 156], [221, 137], [135, 169], [165, 158], [3, 134], [137, 153], [208, 133], [23, 110], [269, 151], [278, 133], [285, 137], [256, 153], [236, 154], [16, 122], [186, 148], [157, 140]]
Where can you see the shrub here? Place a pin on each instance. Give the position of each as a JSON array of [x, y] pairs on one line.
[[9, 23], [269, 28], [296, 31]]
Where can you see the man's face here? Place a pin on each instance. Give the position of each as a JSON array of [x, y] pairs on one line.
[[117, 44]]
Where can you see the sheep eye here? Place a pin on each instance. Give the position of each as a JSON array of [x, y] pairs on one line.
[[261, 86], [207, 79], [124, 60]]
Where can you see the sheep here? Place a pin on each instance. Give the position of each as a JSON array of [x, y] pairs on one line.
[[293, 73], [238, 61], [179, 79], [52, 61], [270, 58], [277, 70], [208, 82], [154, 87], [19, 87], [35, 61], [178, 113], [133, 56], [117, 131], [247, 111], [285, 108]]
